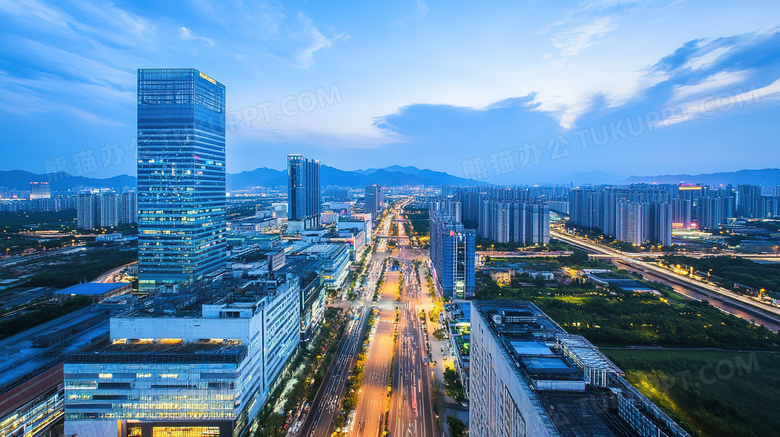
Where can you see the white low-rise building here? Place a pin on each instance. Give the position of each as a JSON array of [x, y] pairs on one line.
[[187, 371]]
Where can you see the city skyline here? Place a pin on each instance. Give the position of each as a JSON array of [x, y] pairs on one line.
[[549, 77], [283, 219]]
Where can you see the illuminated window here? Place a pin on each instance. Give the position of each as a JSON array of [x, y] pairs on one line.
[[185, 431]]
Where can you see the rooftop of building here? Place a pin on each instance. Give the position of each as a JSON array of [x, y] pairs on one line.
[[26, 354], [556, 367], [162, 352], [306, 269], [459, 311], [229, 292], [322, 249], [93, 288]]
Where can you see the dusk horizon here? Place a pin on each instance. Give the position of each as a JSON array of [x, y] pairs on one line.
[[581, 89]]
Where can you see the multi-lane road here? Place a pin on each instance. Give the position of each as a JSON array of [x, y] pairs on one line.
[[411, 412], [327, 403], [370, 412]]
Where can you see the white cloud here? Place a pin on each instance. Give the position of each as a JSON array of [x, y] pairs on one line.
[[725, 100], [716, 82], [188, 35], [308, 32], [31, 10], [707, 59], [185, 33], [421, 7], [571, 41]]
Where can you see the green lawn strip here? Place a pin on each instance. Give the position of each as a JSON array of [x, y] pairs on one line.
[[717, 393]]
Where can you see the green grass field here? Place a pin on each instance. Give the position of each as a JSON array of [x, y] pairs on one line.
[[711, 393]]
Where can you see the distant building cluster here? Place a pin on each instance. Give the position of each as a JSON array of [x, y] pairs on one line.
[[40, 190], [338, 194], [59, 203], [502, 215], [754, 202], [461, 214], [641, 214], [633, 215], [99, 208]]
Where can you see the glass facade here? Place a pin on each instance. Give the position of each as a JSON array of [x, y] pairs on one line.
[[452, 256], [304, 190], [181, 175], [35, 416]]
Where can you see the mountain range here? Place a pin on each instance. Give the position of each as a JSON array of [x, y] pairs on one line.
[[61, 181], [388, 176], [265, 177], [767, 176]]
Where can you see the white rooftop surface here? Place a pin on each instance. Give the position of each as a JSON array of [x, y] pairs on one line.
[[588, 353], [530, 348], [321, 248]]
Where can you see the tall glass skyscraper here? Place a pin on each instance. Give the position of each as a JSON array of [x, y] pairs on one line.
[[303, 191], [452, 255], [181, 175]]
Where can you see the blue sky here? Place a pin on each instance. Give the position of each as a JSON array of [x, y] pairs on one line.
[[506, 92]]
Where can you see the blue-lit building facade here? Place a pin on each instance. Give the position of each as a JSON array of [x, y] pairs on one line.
[[452, 255], [181, 175], [303, 193]]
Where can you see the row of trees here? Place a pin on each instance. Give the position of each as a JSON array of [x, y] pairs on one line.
[[733, 270], [315, 360]]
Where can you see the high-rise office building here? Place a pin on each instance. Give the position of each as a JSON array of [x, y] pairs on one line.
[[658, 218], [181, 175], [582, 207], [452, 256], [40, 190], [681, 213], [303, 193], [375, 199], [529, 377]]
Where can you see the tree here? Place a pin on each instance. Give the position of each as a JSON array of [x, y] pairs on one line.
[[456, 426]]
